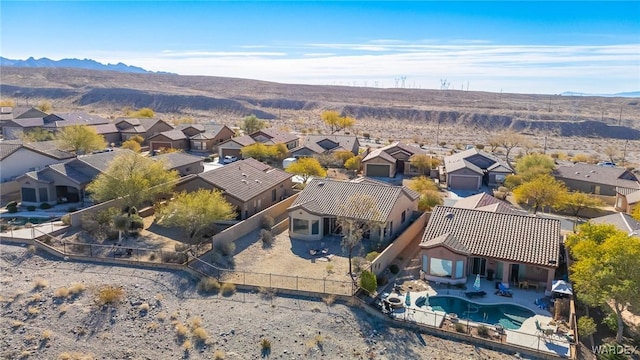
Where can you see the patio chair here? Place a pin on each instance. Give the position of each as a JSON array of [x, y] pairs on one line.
[[544, 331], [503, 291]]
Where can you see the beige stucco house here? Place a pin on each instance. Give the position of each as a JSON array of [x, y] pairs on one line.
[[314, 213]]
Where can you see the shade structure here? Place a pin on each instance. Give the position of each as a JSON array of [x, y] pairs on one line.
[[476, 284], [561, 287]]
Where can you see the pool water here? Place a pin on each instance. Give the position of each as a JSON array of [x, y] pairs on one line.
[[509, 316]]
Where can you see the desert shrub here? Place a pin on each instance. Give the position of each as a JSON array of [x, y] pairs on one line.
[[266, 236], [226, 248], [153, 326], [267, 222], [483, 331], [62, 292], [586, 326], [47, 334], [366, 136], [265, 344], [329, 269], [208, 159], [358, 263], [181, 330], [75, 356], [200, 334], [11, 204], [218, 355], [137, 223], [372, 256], [186, 345], [12, 209], [40, 283], [394, 269], [382, 280], [227, 289], [174, 257], [31, 249], [208, 285], [180, 247], [33, 311], [31, 208], [611, 321], [16, 324], [368, 281], [500, 195], [460, 328], [76, 288], [45, 206], [109, 295], [144, 308], [329, 299]]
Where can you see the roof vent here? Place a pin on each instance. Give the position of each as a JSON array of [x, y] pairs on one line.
[[592, 171], [244, 175], [320, 183], [244, 181], [577, 172], [258, 181], [449, 216]]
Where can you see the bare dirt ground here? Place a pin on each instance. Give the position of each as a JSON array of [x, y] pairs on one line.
[[157, 305]]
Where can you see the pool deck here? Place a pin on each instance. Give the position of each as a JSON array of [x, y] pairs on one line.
[[527, 335]]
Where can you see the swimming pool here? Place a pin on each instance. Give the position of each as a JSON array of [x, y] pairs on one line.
[[509, 316]]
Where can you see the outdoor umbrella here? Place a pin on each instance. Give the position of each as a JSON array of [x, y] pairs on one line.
[[561, 287], [476, 284]]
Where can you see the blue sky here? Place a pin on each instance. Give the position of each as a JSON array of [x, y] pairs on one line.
[[525, 47]]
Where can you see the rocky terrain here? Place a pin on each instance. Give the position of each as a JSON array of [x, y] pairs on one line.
[[299, 106]]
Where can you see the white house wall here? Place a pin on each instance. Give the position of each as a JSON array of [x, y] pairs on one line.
[[23, 161]]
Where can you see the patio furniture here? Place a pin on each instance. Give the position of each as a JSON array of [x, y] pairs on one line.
[[503, 291], [421, 301], [544, 331], [475, 294]]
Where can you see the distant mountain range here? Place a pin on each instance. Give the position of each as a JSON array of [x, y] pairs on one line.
[[74, 64], [620, 94]]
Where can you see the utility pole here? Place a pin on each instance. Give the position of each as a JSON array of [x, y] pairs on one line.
[[620, 118]]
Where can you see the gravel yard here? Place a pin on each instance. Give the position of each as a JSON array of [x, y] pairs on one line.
[[162, 316]]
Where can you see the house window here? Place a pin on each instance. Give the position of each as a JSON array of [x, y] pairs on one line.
[[425, 262], [500, 178], [44, 194], [441, 267], [273, 195], [404, 216], [459, 269], [29, 195], [315, 227], [300, 226]]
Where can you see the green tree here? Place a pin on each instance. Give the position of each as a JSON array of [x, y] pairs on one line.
[[37, 134], [306, 168], [424, 162], [368, 281], [577, 201], [132, 145], [258, 151], [606, 268], [135, 178], [359, 216], [343, 155], [353, 164], [430, 195], [195, 212], [586, 327], [636, 212], [251, 124], [532, 165], [543, 191], [80, 139], [336, 122], [142, 113]]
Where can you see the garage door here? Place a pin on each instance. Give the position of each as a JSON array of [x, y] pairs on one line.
[[160, 145], [463, 182], [230, 152], [378, 170]]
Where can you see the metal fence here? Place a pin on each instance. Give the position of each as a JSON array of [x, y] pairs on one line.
[[274, 281]]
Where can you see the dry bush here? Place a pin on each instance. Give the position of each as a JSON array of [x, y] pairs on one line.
[[196, 322], [153, 326], [16, 324], [33, 311], [265, 344], [186, 345], [159, 297], [40, 283], [76, 356], [181, 330], [46, 335], [208, 285], [329, 299], [109, 295], [218, 355], [36, 298], [200, 334], [174, 315], [76, 288], [63, 309], [24, 354], [266, 292], [144, 307], [227, 289], [62, 292], [162, 316]]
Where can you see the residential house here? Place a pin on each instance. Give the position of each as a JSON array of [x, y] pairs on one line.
[[17, 158], [13, 120], [184, 163], [249, 185], [594, 179], [623, 222], [626, 199], [144, 127], [172, 139], [313, 145], [486, 202], [110, 133], [458, 243], [206, 137], [64, 182], [55, 122], [390, 160], [314, 213], [470, 169], [267, 136]]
